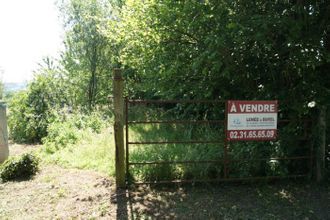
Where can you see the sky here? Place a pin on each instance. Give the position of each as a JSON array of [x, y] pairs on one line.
[[29, 31]]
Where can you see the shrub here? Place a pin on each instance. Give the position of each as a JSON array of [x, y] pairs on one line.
[[32, 110], [68, 130], [95, 122], [22, 167], [60, 134], [91, 151]]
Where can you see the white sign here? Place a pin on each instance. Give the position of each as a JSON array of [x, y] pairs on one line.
[[251, 120]]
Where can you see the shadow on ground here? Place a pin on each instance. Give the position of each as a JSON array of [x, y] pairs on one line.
[[262, 201]]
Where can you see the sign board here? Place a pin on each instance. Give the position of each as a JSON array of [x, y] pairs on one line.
[[251, 120]]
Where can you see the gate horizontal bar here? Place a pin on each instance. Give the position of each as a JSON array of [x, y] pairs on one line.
[[273, 158], [239, 179], [137, 101], [217, 161], [192, 121], [177, 142], [175, 162], [178, 122]]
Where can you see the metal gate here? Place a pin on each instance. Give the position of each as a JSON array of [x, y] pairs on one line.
[[226, 160]]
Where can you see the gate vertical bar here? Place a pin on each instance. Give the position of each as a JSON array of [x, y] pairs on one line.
[[127, 140], [225, 145], [118, 89]]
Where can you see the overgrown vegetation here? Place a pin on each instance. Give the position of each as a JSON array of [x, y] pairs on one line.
[[68, 128], [32, 110], [80, 141], [91, 151], [18, 168], [212, 50], [290, 144]]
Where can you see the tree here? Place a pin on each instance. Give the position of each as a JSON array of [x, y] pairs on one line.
[[33, 109], [87, 58], [248, 49]]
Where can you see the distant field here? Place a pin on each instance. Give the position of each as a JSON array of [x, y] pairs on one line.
[[12, 87]]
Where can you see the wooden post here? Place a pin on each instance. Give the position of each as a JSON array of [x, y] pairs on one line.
[[118, 89], [4, 150], [321, 143]]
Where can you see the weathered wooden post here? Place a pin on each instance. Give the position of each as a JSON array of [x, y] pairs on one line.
[[321, 143], [118, 89], [4, 151]]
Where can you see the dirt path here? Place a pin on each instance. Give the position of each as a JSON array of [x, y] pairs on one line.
[[18, 149]]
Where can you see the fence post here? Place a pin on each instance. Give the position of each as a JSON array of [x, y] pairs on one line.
[[118, 89], [4, 151]]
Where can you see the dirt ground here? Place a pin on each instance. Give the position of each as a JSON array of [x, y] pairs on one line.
[[57, 193]]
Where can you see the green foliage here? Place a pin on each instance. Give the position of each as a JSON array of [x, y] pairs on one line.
[[16, 168], [68, 129], [226, 49], [255, 156], [8, 95], [180, 50], [229, 50], [17, 120], [2, 88], [93, 151], [88, 55], [60, 134], [80, 140], [32, 110]]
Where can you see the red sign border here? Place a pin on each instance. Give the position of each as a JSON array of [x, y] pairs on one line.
[[250, 139]]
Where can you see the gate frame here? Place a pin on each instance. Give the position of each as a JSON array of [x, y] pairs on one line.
[[225, 160]]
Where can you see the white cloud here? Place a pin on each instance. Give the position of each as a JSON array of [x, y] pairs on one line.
[[29, 30]]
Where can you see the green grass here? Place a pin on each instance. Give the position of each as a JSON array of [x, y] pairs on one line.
[[70, 145], [95, 151], [92, 151], [175, 152], [208, 152]]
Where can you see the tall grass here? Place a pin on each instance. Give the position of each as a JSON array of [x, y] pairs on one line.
[[92, 151], [248, 151], [286, 146], [81, 141], [175, 152]]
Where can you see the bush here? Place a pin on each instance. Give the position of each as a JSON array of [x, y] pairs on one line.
[[32, 110], [60, 134], [91, 151], [68, 129], [16, 168]]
